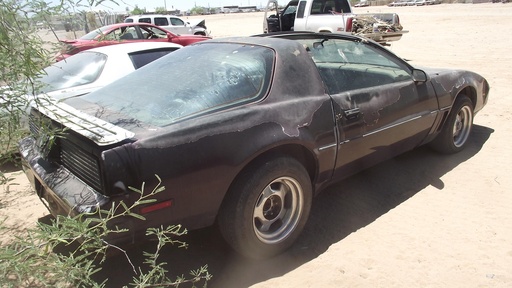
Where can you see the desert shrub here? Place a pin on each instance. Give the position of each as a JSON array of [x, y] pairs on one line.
[[31, 259]]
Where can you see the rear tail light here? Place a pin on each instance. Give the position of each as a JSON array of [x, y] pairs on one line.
[[348, 27]]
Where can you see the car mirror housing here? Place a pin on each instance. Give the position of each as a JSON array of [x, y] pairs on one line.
[[419, 75]]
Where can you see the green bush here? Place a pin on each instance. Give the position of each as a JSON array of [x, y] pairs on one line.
[[31, 259]]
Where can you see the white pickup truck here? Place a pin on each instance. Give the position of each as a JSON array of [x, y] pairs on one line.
[[331, 16]]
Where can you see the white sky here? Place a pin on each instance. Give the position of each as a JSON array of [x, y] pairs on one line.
[[181, 5]]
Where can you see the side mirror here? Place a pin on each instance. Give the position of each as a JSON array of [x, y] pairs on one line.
[[419, 75], [169, 35]]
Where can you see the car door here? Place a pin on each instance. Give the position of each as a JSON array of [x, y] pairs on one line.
[[179, 26], [152, 34], [121, 34], [380, 109]]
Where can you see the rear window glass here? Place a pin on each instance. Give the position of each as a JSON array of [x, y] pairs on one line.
[[141, 58], [93, 34], [189, 82], [83, 68]]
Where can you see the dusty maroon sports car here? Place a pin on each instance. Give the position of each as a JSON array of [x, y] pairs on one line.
[[124, 33], [250, 129]]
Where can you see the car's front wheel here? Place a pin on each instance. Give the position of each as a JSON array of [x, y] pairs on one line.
[[455, 132], [266, 207]]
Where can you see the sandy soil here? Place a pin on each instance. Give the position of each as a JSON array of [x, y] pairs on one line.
[[419, 220]]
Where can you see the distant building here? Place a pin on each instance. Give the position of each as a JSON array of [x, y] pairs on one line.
[[230, 9], [248, 9]]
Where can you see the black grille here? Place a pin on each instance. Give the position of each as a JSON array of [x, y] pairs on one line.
[[34, 128], [81, 163]]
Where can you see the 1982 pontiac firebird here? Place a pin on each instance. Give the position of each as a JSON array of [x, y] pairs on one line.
[[244, 131]]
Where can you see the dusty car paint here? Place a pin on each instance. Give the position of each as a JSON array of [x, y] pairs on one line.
[[332, 136]]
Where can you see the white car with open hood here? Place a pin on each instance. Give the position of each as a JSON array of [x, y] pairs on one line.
[[172, 23]]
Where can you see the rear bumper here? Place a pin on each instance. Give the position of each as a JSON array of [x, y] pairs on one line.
[[385, 37], [67, 195]]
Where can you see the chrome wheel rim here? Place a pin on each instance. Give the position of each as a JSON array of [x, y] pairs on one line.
[[278, 210], [462, 126]]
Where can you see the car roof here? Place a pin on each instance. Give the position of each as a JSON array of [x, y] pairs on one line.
[[151, 15], [117, 25], [132, 47], [281, 39]]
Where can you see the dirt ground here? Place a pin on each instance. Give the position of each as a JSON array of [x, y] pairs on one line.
[[418, 220]]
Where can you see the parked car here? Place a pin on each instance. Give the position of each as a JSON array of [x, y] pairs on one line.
[[92, 69], [83, 73], [398, 3], [172, 23], [124, 33], [250, 130]]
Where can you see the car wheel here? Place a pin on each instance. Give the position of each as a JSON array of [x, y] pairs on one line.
[[266, 207], [455, 133]]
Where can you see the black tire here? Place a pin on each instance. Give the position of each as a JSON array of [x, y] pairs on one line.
[[266, 208], [455, 132]]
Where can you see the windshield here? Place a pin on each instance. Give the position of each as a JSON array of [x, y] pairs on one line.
[[83, 68], [190, 81]]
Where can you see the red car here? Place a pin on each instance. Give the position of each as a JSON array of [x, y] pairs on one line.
[[124, 33]]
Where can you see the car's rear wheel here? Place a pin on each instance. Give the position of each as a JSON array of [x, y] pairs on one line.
[[455, 133], [266, 207]]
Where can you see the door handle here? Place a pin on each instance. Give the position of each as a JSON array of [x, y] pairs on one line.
[[352, 114]]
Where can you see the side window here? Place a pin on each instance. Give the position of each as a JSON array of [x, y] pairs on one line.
[[133, 31], [290, 10], [161, 21], [114, 35], [152, 33], [329, 6], [316, 7], [145, 20], [177, 22], [301, 9], [346, 65]]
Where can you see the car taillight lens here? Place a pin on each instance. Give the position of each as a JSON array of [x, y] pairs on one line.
[[348, 27]]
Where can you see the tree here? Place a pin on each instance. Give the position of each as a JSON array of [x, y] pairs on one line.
[[30, 261], [138, 11], [160, 10], [197, 10], [21, 60]]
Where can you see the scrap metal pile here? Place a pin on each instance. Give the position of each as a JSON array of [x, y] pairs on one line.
[[367, 24]]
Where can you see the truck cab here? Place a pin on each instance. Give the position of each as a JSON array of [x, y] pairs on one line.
[[331, 16], [307, 16]]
